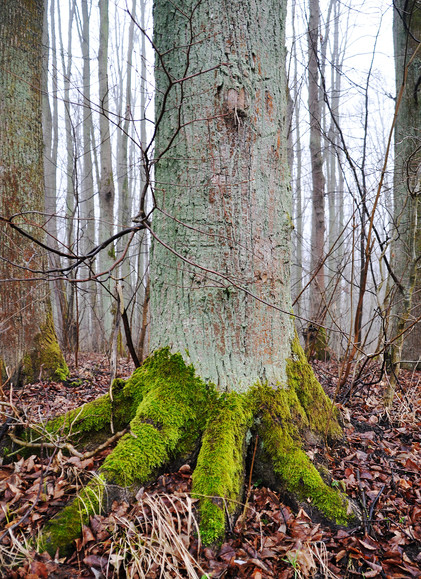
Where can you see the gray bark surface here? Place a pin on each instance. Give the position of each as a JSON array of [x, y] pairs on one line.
[[106, 182], [318, 225], [407, 245], [222, 190], [24, 296]]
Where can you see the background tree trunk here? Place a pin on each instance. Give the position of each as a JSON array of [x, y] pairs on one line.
[[317, 307], [335, 181], [298, 266], [407, 31], [407, 214], [106, 182], [89, 322], [28, 344], [68, 297]]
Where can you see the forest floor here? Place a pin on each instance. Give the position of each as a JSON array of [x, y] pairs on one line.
[[379, 467]]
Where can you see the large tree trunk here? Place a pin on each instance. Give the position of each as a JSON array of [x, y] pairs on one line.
[[406, 245], [28, 344], [223, 204], [222, 171]]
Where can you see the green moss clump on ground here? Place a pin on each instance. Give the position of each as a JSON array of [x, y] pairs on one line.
[[61, 530], [171, 405], [169, 408], [95, 416], [283, 416], [90, 424], [219, 473], [303, 480]]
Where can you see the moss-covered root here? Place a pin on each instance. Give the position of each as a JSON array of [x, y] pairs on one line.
[[171, 405], [84, 421], [169, 419], [219, 473], [61, 530], [281, 423], [87, 426]]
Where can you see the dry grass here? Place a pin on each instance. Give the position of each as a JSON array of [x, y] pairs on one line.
[[308, 559], [14, 549], [155, 542]]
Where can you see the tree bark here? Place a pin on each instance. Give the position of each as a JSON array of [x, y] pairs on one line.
[[318, 180], [298, 270], [28, 344], [222, 181], [335, 189], [68, 296], [89, 323], [315, 336], [106, 182], [407, 213], [406, 246]]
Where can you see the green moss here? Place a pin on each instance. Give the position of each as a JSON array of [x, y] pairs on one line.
[[316, 343], [89, 418], [318, 408], [219, 474], [45, 358], [281, 440], [61, 374], [171, 407], [303, 480], [93, 417], [281, 421], [61, 530], [280, 416], [90, 424]]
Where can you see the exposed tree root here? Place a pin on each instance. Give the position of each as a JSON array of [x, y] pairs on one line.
[[174, 417]]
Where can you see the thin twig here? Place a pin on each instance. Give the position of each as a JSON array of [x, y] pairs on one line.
[[68, 446]]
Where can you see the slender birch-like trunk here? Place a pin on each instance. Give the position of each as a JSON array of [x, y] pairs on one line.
[[106, 181], [316, 337]]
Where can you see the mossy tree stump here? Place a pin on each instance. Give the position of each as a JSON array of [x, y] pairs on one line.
[[316, 342]]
